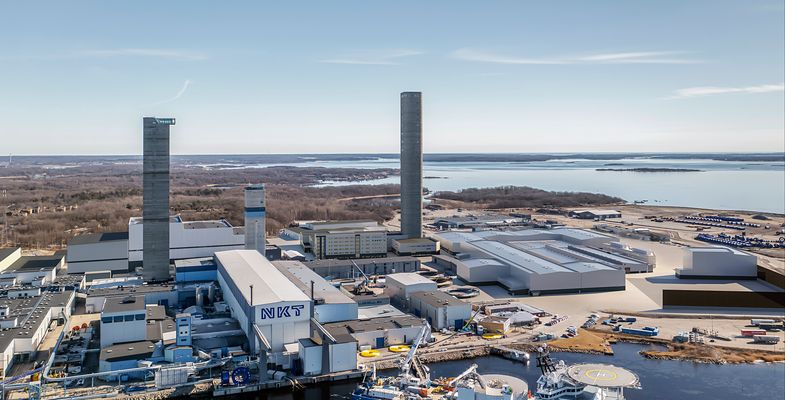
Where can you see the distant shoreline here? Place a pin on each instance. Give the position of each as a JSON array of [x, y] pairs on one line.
[[649, 169], [237, 159]]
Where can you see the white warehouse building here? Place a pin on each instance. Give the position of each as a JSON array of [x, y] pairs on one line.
[[441, 310], [718, 262], [400, 287], [273, 312], [188, 239], [538, 261]]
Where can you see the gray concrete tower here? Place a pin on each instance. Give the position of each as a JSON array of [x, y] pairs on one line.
[[411, 164], [155, 213]]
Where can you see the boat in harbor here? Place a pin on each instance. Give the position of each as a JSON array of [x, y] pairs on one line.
[[414, 382], [581, 381]]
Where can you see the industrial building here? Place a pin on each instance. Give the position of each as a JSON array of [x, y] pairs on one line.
[[597, 215], [378, 332], [155, 212], [538, 261], [123, 319], [441, 310], [718, 262], [411, 164], [341, 239], [272, 311], [37, 271], [188, 239], [335, 268], [399, 287], [330, 303], [98, 252], [202, 269], [26, 320], [255, 214], [154, 293], [415, 247], [479, 221]]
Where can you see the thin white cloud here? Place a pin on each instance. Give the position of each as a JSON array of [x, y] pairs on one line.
[[171, 54], [179, 94], [638, 57], [373, 57], [699, 91]]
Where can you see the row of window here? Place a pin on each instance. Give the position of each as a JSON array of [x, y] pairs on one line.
[[121, 318]]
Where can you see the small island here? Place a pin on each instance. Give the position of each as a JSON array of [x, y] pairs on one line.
[[649, 169]]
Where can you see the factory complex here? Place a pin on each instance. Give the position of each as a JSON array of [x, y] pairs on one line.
[[172, 302]]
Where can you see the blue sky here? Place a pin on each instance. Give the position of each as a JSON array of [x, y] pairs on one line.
[[288, 77]]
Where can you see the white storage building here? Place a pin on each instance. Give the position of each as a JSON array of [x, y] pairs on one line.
[[441, 310], [399, 287], [272, 310], [718, 262], [537, 261]]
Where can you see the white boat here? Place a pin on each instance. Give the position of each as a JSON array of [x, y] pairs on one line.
[[581, 381]]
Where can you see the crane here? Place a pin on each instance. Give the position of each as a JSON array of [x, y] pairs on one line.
[[358, 287], [406, 365], [471, 371]]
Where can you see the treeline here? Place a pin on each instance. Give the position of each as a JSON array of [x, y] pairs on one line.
[[524, 196]]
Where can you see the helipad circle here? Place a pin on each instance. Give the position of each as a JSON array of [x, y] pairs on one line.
[[602, 375]]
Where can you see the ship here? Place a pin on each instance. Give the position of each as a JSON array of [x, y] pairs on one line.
[[413, 382], [581, 381]]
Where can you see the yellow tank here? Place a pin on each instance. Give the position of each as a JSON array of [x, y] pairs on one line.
[[400, 348], [369, 353], [491, 336]]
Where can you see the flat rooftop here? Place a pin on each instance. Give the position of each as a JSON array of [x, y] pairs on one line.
[[374, 324], [127, 351], [408, 278], [438, 299], [302, 277], [7, 251], [248, 267], [124, 304], [92, 238], [34, 263]]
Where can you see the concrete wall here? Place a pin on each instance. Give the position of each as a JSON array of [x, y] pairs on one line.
[[335, 312], [343, 356], [102, 256]]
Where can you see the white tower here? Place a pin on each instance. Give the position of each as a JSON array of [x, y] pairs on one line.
[[254, 218]]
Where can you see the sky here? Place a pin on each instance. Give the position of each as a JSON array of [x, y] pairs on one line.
[[325, 76]]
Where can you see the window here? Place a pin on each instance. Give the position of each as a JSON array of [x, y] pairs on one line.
[[140, 317], [106, 320], [118, 318], [128, 318]]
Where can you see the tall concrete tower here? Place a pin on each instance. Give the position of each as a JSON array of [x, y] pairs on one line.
[[155, 214], [411, 164], [254, 217]]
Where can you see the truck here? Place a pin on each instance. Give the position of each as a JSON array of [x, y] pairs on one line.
[[757, 322], [767, 339], [752, 332]]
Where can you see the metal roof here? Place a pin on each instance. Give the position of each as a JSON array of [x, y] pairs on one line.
[[92, 238], [409, 278], [249, 267]]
